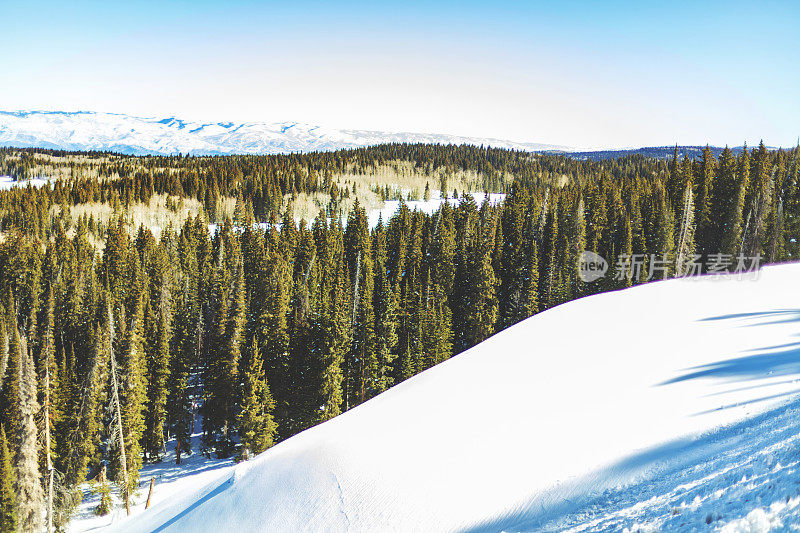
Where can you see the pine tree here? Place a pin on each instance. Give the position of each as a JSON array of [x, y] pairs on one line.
[[296, 392], [626, 249], [158, 373], [513, 262], [385, 307], [3, 360], [132, 390], [255, 423], [576, 245], [483, 320], [48, 400], [81, 429], [216, 382], [29, 493], [187, 342], [548, 267], [234, 329], [760, 170], [529, 301], [663, 235], [730, 203], [273, 296], [703, 206], [792, 205], [11, 384], [8, 497], [360, 365], [222, 380], [333, 337], [639, 236]]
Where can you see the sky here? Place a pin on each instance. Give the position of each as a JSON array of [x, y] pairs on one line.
[[579, 74]]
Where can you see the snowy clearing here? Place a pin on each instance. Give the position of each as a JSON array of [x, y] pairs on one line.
[[390, 207], [7, 182], [668, 406], [428, 207]]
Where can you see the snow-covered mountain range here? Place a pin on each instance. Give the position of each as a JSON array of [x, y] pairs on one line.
[[86, 130]]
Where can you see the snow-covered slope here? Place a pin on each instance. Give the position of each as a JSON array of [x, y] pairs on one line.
[[137, 135], [666, 406]]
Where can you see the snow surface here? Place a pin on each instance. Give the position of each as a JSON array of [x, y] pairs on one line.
[[7, 182], [428, 207], [85, 130], [669, 406], [390, 207], [170, 480]]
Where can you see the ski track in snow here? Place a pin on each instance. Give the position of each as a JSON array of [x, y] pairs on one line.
[[672, 406], [749, 469]]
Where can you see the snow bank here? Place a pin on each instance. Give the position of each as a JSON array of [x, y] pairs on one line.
[[581, 412]]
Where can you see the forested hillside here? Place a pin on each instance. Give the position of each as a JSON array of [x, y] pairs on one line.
[[113, 340]]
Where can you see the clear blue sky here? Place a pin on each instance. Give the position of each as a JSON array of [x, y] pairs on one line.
[[574, 73]]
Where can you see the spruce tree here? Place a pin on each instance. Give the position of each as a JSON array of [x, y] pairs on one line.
[[385, 307], [158, 373], [3, 360], [663, 236], [333, 335], [360, 366], [529, 300], [234, 329], [482, 320], [639, 236], [548, 267], [8, 497], [48, 399], [222, 373], [187, 345], [273, 297], [133, 390], [576, 245], [513, 262], [29, 493], [9, 403], [216, 382], [703, 204], [730, 202], [255, 423]]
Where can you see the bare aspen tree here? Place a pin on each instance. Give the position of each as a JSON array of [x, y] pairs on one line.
[[685, 240], [115, 399]]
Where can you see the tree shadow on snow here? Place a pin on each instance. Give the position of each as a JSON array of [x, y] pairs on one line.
[[631, 480], [769, 361], [782, 316], [595, 498], [214, 492]]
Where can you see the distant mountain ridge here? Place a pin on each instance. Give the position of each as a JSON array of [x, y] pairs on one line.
[[88, 130], [658, 152], [132, 135]]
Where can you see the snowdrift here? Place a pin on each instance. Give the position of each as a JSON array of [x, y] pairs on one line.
[[532, 428]]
